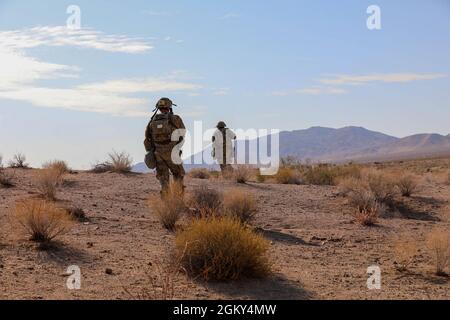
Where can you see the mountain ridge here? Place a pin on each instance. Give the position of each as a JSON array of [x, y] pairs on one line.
[[351, 143]]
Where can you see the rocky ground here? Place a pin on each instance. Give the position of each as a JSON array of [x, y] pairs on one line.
[[316, 249]]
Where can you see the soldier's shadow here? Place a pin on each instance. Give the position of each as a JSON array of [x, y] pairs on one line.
[[276, 287], [63, 254]]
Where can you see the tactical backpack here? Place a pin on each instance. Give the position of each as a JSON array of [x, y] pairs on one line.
[[161, 128]]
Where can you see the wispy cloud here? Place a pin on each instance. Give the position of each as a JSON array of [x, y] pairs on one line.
[[18, 69], [111, 97], [63, 36], [20, 73], [346, 79], [317, 90], [230, 15], [221, 91], [140, 85]]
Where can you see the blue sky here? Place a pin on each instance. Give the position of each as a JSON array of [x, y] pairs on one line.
[[76, 95]]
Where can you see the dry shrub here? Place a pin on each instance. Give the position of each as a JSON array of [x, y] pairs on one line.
[[18, 161], [242, 173], [47, 182], [438, 241], [102, 167], [199, 173], [405, 251], [360, 196], [58, 165], [77, 214], [240, 205], [221, 249], [382, 185], [407, 184], [169, 208], [42, 220], [6, 179], [318, 175], [205, 201], [260, 177], [120, 162], [325, 174], [159, 283], [286, 175]]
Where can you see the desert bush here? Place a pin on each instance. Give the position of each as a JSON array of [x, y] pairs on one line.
[[286, 175], [199, 173], [260, 177], [205, 201], [382, 185], [169, 208], [6, 179], [240, 205], [407, 184], [438, 242], [368, 209], [18, 161], [77, 214], [405, 251], [42, 220], [47, 182], [242, 173], [58, 165], [102, 167], [221, 249], [159, 283], [324, 174], [120, 162]]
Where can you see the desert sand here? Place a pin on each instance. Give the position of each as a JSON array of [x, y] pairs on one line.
[[317, 250]]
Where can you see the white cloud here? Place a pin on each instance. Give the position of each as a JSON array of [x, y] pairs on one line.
[[221, 92], [107, 97], [18, 69], [310, 91], [79, 100], [140, 85], [63, 36], [346, 79], [320, 90], [20, 72]]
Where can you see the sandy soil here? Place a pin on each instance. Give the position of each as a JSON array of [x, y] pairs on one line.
[[317, 251]]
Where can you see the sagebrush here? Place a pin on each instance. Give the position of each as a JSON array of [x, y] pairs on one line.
[[222, 249], [42, 220], [169, 208]]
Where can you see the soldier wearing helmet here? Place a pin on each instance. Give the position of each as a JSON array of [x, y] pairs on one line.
[[223, 150], [164, 137]]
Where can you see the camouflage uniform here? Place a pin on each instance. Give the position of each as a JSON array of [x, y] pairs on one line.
[[223, 147], [158, 139]]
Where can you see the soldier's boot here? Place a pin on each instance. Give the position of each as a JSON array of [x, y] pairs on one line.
[[179, 182], [165, 188]]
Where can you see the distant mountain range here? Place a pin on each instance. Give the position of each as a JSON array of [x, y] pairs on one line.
[[320, 144]]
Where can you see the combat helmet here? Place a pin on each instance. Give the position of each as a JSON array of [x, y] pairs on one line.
[[164, 103], [221, 125]]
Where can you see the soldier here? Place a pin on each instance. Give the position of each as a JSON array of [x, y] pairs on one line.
[[161, 149], [223, 147]]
